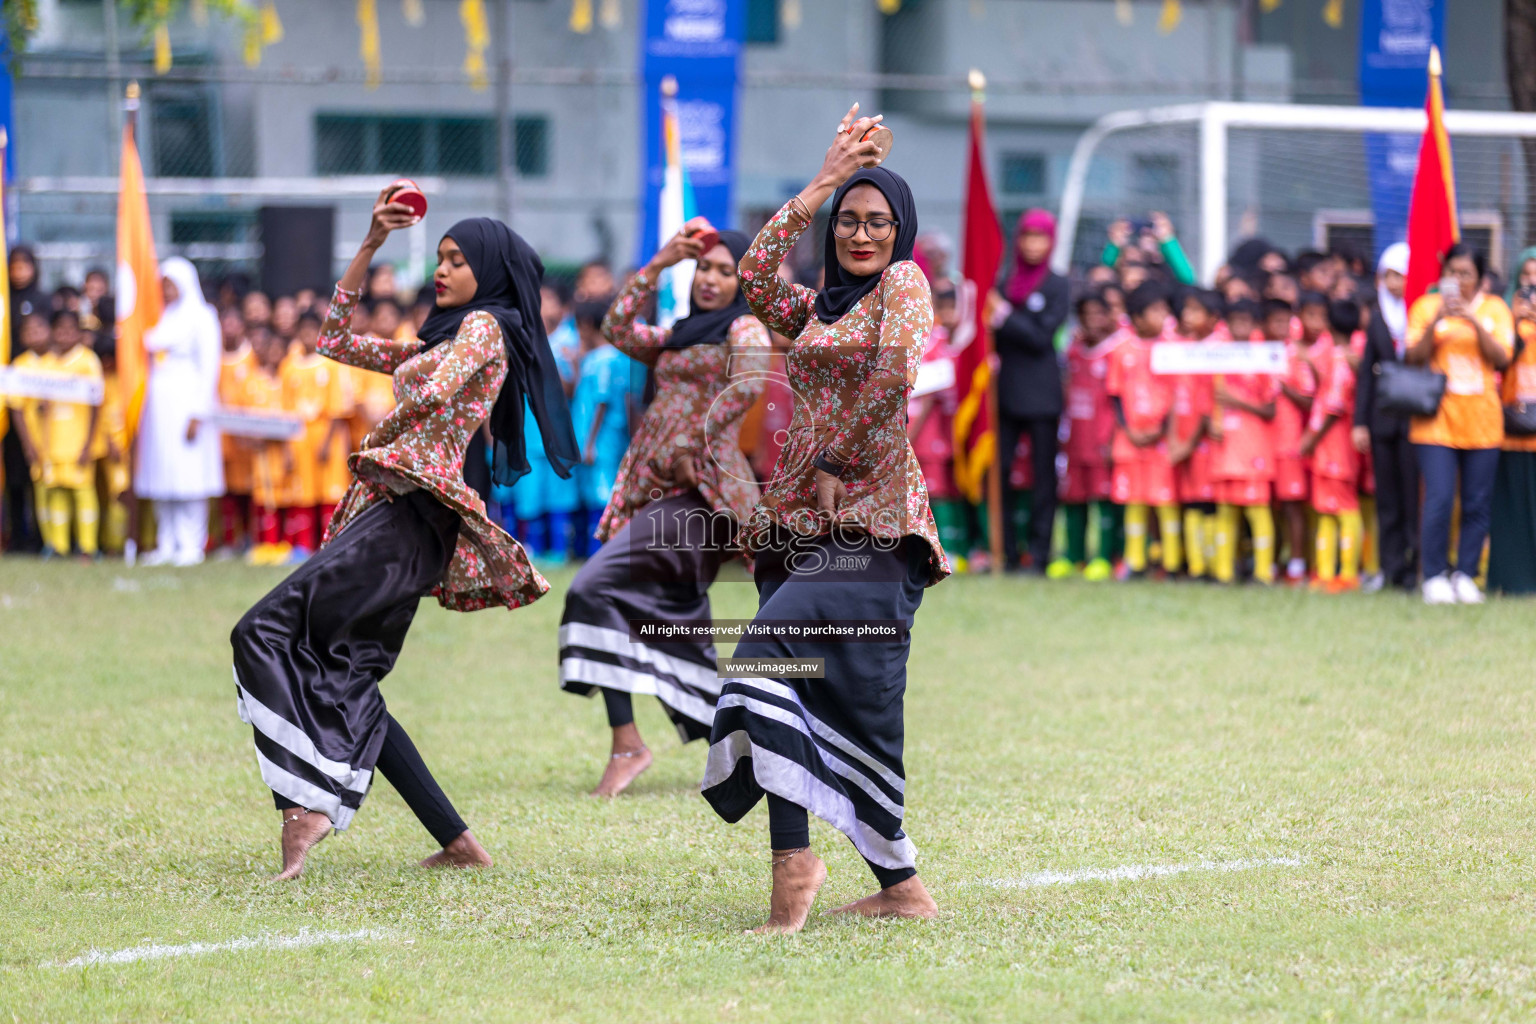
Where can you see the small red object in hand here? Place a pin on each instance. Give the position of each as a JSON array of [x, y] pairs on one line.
[[409, 193]]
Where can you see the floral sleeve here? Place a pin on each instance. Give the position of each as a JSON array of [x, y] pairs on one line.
[[749, 354], [782, 306], [636, 340], [361, 350], [906, 320]]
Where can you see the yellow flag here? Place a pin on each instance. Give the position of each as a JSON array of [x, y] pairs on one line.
[[368, 42], [476, 38], [1333, 13], [1173, 13], [271, 24], [162, 48], [139, 298], [581, 16]]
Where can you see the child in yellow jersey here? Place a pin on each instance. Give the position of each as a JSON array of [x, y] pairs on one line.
[[314, 389], [111, 454], [237, 363], [271, 461], [67, 443], [26, 413]]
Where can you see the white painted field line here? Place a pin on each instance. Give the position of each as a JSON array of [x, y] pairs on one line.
[[1135, 872], [134, 954]]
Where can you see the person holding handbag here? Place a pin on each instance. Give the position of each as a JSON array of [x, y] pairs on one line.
[[1383, 434], [1465, 334], [1512, 532]]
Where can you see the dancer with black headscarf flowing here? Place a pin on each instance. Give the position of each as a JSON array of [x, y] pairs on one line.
[[309, 656], [682, 492], [843, 532]]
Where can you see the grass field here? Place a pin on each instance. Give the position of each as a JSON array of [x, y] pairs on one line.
[[1383, 752]]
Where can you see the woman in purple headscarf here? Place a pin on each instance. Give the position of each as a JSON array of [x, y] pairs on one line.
[[1025, 319]]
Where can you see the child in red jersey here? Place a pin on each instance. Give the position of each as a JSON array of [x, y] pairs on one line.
[[1244, 459], [1334, 462], [1292, 485], [1200, 319], [1090, 430], [1143, 405]]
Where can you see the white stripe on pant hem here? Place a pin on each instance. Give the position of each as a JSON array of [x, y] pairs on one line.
[[782, 777], [617, 677], [778, 714], [825, 731], [304, 794], [294, 740], [612, 641]]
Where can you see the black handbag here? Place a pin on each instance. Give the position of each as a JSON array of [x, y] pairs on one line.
[[1520, 419], [1403, 390]]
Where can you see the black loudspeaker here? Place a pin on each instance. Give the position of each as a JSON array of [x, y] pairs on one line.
[[298, 243]]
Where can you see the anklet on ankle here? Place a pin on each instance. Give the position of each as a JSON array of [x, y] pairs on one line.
[[779, 862], [629, 753]]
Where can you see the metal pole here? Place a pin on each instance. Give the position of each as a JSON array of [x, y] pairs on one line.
[[505, 160], [114, 78]]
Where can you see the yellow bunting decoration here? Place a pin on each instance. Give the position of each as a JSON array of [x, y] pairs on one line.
[[581, 16], [789, 13], [271, 24], [1269, 6], [476, 38], [1125, 13], [889, 6], [368, 41], [1333, 13], [414, 14], [162, 16], [1173, 13]]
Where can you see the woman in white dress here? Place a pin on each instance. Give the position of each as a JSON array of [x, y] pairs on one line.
[[180, 464]]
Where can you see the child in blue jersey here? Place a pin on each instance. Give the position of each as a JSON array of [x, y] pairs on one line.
[[600, 413]]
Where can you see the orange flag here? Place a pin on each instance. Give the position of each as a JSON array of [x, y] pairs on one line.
[[1433, 226], [139, 298]]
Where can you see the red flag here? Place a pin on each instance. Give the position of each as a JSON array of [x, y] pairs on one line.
[[981, 256], [1432, 223]]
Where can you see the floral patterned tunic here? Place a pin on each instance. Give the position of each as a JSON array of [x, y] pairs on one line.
[[702, 393], [442, 394], [851, 381]]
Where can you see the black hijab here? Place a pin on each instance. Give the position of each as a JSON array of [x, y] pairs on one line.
[[508, 274], [710, 328], [843, 290]]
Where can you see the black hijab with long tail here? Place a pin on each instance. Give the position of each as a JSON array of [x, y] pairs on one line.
[[508, 275]]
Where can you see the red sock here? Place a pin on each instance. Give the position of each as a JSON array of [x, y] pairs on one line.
[[323, 522], [234, 516], [267, 529], [299, 527]]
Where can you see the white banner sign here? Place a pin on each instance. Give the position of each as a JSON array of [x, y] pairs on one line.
[[50, 386], [1210, 357], [263, 426]]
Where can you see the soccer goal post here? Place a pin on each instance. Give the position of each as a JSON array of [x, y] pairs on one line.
[[1295, 174]]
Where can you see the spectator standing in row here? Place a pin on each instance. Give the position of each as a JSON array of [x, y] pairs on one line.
[[180, 461], [1384, 435], [1025, 319], [20, 516], [1512, 532]]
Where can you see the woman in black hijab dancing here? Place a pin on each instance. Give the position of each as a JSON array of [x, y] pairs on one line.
[[844, 533], [309, 656]]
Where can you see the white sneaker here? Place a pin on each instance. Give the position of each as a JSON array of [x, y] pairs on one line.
[[1466, 589], [187, 559], [159, 556], [1438, 590], [1372, 583]]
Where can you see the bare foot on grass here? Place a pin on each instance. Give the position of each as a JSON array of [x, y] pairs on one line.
[[302, 830], [630, 756], [904, 899], [797, 877], [464, 852]]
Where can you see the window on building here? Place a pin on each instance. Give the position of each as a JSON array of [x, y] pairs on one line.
[[762, 21], [1155, 175], [422, 145], [181, 135], [1024, 172], [530, 137]]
